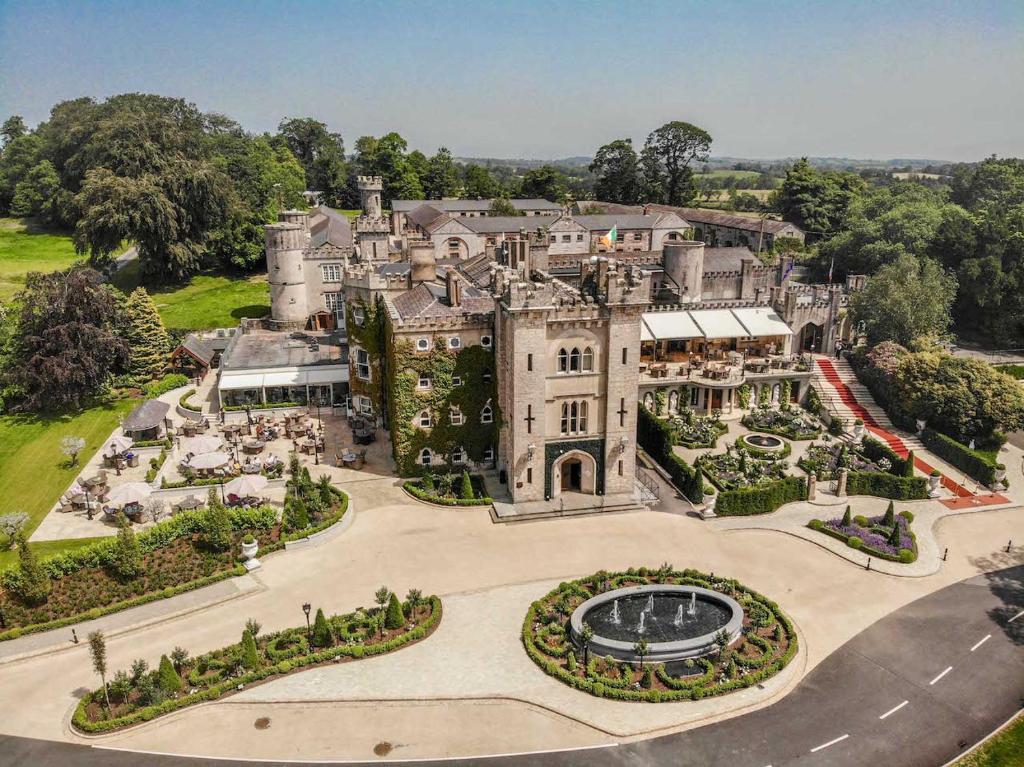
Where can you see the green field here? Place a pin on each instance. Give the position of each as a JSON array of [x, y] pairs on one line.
[[725, 173], [33, 471], [24, 249], [1004, 750]]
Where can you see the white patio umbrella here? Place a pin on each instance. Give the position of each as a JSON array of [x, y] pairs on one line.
[[204, 443], [212, 460], [246, 485], [130, 492], [119, 443]]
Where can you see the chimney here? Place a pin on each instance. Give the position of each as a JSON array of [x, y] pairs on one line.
[[422, 262], [454, 288]]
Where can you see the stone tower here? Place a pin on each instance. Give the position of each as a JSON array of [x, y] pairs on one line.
[[370, 190], [285, 242], [372, 229], [684, 264]]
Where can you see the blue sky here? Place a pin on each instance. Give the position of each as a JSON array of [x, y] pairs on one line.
[[549, 79]]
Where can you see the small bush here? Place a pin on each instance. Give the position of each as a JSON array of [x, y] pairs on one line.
[[170, 682], [250, 654], [394, 618], [322, 636], [854, 542]]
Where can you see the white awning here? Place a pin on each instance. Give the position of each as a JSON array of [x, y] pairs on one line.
[[284, 378], [667, 326], [240, 381], [330, 375], [762, 321], [718, 323]]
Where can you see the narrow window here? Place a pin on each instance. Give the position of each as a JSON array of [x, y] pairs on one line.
[[529, 475], [588, 359], [425, 456], [529, 419], [625, 354], [563, 361], [583, 418], [622, 411], [565, 418], [529, 362], [620, 468], [573, 417], [486, 414], [574, 360]]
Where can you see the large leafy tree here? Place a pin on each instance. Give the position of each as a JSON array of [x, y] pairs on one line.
[[442, 177], [906, 300], [35, 194], [478, 183], [667, 156], [617, 168], [320, 152], [20, 155], [546, 182], [12, 128], [65, 348], [387, 157], [817, 201]]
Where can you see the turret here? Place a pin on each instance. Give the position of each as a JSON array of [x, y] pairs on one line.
[[285, 242], [370, 190], [684, 263]]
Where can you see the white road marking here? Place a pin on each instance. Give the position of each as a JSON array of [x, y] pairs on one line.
[[830, 743], [892, 711], [936, 679], [1015, 617], [981, 642]]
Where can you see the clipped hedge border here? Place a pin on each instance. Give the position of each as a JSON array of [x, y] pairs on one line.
[[889, 486], [720, 430], [81, 722], [694, 692], [412, 487], [656, 437], [797, 436], [974, 464], [761, 499], [819, 526]]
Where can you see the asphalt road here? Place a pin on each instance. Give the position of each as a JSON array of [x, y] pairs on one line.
[[915, 689]]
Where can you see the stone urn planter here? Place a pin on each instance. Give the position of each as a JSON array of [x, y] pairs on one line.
[[709, 506], [858, 430], [934, 480], [249, 549], [1000, 475]]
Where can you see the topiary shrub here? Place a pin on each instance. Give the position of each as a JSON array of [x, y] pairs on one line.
[[394, 618], [169, 680], [466, 490], [907, 515], [322, 636], [846, 516], [890, 515], [907, 556], [216, 523], [250, 654], [854, 542]]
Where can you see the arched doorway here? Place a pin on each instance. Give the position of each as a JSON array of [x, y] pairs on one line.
[[810, 337], [574, 472]]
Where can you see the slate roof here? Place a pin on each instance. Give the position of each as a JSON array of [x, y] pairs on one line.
[[198, 348], [501, 224], [149, 414], [431, 300], [339, 227], [622, 221], [448, 206], [718, 218], [610, 207], [726, 259], [424, 215]]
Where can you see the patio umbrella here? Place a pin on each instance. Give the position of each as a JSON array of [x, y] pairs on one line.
[[212, 460], [204, 443], [130, 492], [119, 443], [246, 486]]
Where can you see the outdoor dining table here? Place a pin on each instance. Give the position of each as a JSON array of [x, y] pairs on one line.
[[190, 503], [79, 501], [253, 446]]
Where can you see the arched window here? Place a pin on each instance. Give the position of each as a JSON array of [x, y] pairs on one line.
[[574, 360], [486, 414], [565, 418], [582, 428], [456, 417], [425, 420], [588, 359], [458, 455], [425, 456], [563, 361]]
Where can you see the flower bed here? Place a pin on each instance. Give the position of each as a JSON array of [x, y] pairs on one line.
[[696, 432], [174, 556], [794, 423], [736, 468], [449, 490], [888, 536], [825, 460], [143, 695], [767, 643], [656, 437]]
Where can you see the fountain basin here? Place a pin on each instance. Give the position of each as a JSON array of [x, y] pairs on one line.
[[667, 640], [763, 441]]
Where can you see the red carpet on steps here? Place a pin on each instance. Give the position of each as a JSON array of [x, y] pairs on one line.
[[832, 376]]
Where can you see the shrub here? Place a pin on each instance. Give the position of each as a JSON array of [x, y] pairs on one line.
[[466, 491], [655, 436], [165, 384], [890, 515], [31, 583], [975, 464], [250, 655], [907, 556], [216, 525], [761, 499], [886, 486], [815, 524], [907, 515], [861, 520], [169, 680], [854, 542], [322, 636], [394, 618], [296, 516], [846, 515], [126, 557]]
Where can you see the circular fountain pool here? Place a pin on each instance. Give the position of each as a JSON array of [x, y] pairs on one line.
[[677, 622], [763, 441]]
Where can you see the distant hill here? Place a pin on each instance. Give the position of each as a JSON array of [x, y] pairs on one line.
[[522, 162], [730, 163]]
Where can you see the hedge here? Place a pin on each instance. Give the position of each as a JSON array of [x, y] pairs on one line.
[[875, 450], [412, 487], [855, 542], [761, 499], [183, 400], [886, 486], [166, 384], [656, 437], [976, 465], [82, 723]]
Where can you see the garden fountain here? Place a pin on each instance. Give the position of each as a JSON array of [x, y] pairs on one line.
[[683, 622]]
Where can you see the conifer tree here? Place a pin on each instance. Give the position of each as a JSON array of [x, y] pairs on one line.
[[250, 655], [33, 582], [216, 524], [466, 491], [169, 680], [394, 618], [890, 515], [894, 536], [146, 336], [846, 516], [126, 556], [908, 467], [322, 636]]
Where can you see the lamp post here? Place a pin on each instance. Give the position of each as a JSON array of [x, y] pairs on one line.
[[306, 607]]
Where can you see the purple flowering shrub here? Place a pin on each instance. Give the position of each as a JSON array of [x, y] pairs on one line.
[[875, 535]]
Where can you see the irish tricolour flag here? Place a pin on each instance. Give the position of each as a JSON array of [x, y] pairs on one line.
[[610, 238]]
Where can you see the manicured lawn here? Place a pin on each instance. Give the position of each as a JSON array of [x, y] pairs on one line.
[[33, 471], [45, 549], [726, 173], [1004, 750], [206, 301], [24, 249]]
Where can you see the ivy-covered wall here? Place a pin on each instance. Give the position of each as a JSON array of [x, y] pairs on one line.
[[370, 336], [406, 401]]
